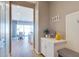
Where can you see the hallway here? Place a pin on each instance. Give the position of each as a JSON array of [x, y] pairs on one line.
[[21, 48]]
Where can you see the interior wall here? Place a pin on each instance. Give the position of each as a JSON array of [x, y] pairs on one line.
[[41, 22], [61, 8], [43, 19]]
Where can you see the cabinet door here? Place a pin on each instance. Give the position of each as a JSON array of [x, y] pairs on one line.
[[49, 48], [43, 46], [72, 31]]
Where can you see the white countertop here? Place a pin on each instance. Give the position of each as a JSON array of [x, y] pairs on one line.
[[54, 40]]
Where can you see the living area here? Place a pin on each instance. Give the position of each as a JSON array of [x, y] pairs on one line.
[[22, 31]]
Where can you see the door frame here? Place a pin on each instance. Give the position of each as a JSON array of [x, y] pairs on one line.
[[25, 4]]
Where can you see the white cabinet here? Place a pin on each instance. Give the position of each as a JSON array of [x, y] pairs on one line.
[[50, 46], [46, 47], [43, 47]]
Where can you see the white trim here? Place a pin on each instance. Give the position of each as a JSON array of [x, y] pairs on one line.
[[37, 51]]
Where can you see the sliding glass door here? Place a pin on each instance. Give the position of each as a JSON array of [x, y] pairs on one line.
[[28, 29], [25, 29], [3, 28]]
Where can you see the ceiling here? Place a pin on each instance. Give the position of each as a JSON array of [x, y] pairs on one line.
[[21, 13]]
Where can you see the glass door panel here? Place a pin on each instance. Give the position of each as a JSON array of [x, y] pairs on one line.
[[3, 29]]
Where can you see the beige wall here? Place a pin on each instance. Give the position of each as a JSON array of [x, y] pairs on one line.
[[61, 9], [41, 22], [44, 11], [43, 18]]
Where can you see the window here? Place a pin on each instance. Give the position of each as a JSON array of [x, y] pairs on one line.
[[26, 29]]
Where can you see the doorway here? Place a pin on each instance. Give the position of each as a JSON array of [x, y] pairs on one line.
[[22, 39]]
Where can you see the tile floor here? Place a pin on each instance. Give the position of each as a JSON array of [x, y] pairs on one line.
[[21, 48]]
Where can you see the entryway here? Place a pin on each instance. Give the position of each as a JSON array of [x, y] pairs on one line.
[[22, 21]]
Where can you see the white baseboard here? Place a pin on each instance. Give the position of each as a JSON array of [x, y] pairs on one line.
[[37, 51]]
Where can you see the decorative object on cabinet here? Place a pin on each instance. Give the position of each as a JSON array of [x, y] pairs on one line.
[[53, 34], [46, 33], [58, 36]]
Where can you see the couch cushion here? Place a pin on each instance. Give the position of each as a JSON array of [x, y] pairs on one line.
[[65, 52]]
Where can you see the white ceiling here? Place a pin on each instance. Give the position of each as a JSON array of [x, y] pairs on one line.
[[21, 13]]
